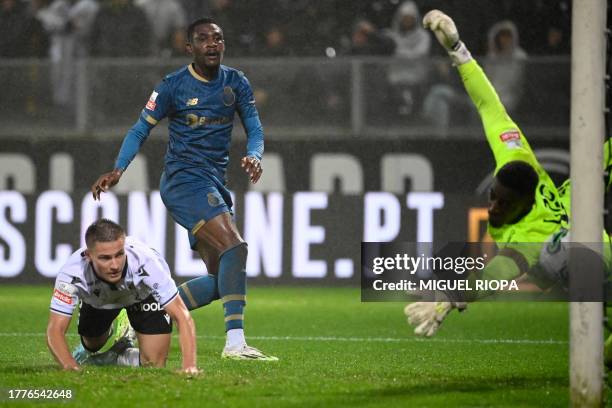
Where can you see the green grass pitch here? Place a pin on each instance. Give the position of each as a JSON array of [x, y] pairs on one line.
[[333, 350]]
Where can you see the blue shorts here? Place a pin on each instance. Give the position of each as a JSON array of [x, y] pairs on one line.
[[194, 196]]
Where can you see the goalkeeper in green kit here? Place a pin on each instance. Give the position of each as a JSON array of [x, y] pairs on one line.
[[525, 206]]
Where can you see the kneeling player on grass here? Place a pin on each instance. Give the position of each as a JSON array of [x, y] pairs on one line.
[[525, 206], [111, 273]]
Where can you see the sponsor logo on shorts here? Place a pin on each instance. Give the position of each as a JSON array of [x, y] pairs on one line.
[[62, 297]]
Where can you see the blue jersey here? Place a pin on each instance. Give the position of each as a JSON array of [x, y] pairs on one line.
[[201, 116]]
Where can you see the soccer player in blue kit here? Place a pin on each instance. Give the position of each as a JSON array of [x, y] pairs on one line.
[[200, 101]]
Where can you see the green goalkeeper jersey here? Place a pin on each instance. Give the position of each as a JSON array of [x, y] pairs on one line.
[[551, 210]]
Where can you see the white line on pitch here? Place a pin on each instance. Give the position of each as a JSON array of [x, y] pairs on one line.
[[357, 339]]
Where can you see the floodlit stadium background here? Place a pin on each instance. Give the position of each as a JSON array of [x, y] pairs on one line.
[[363, 143], [348, 123]]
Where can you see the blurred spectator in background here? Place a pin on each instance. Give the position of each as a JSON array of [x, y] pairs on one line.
[[411, 39], [557, 42], [275, 43], [55, 18], [367, 40], [21, 35], [69, 25], [120, 30], [237, 19], [196, 8], [81, 17], [408, 74], [506, 63], [444, 103], [168, 22]]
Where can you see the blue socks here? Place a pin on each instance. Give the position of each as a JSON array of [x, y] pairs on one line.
[[230, 288], [232, 285], [199, 291]]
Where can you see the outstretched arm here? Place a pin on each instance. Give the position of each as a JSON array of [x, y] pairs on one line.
[[156, 108], [505, 138]]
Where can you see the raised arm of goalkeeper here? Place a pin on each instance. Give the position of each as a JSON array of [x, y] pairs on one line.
[[503, 135]]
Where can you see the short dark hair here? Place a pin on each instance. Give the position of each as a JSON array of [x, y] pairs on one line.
[[198, 22], [519, 176], [103, 230]]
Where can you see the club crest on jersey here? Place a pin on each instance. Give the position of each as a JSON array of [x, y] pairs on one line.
[[192, 102], [214, 199], [229, 98], [151, 102]]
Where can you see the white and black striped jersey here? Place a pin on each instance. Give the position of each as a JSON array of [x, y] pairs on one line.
[[145, 273]]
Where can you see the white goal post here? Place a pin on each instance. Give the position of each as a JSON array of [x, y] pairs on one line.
[[587, 131]]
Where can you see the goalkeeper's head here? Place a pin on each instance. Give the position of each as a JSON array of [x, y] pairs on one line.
[[512, 194]]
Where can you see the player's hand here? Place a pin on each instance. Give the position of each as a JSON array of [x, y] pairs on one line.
[[428, 316], [192, 371], [252, 166], [71, 367], [104, 182], [443, 27]]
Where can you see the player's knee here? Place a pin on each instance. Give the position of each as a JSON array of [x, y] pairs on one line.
[[94, 344], [239, 249], [228, 238], [220, 233], [155, 359]]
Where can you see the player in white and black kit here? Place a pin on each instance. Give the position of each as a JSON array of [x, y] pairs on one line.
[[111, 273]]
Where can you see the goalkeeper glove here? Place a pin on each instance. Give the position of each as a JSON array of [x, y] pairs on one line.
[[428, 316], [446, 32]]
